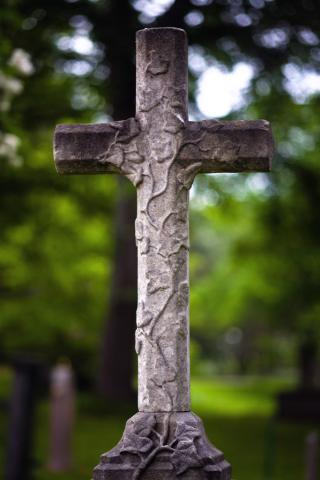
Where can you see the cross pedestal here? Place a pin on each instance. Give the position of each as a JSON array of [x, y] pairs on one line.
[[161, 152]]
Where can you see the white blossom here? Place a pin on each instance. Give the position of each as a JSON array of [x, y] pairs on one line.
[[9, 144], [10, 84], [9, 87], [11, 140], [4, 103], [21, 61]]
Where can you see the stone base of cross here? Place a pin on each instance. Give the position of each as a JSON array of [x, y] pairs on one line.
[[163, 446], [161, 152]]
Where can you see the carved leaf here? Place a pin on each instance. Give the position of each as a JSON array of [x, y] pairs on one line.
[[170, 224], [139, 230], [128, 131], [134, 443], [115, 156], [136, 177], [185, 456], [187, 175], [183, 294], [166, 248], [177, 264], [150, 99], [158, 64], [174, 123], [158, 281], [145, 425], [145, 245], [138, 440], [144, 317], [138, 341], [186, 432], [164, 150], [134, 156], [134, 127]]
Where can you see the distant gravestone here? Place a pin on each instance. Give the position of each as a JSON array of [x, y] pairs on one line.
[[62, 412], [161, 152], [312, 456], [21, 419]]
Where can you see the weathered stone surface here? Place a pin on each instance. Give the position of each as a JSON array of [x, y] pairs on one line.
[[162, 337], [236, 146], [163, 446], [84, 149], [161, 152]]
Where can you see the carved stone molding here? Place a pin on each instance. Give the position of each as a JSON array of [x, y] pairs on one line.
[[160, 446]]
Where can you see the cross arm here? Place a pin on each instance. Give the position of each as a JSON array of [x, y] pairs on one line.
[[235, 146], [92, 149]]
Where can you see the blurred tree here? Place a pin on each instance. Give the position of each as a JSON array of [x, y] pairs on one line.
[[115, 31], [265, 265], [267, 272], [47, 307]]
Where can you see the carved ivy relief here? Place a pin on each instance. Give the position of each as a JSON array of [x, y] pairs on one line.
[[144, 441], [146, 151]]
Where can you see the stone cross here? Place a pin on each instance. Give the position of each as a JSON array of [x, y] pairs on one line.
[[161, 152]]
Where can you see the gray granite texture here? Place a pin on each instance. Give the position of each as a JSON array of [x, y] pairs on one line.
[[163, 446]]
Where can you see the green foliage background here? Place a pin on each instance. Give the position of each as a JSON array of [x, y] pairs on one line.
[[255, 256], [255, 251]]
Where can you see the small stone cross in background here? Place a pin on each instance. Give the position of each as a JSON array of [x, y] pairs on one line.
[[312, 456], [161, 152], [62, 415]]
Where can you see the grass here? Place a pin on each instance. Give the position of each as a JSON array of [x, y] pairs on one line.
[[237, 396], [238, 418]]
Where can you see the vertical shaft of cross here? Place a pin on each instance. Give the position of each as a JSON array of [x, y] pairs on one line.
[[162, 336]]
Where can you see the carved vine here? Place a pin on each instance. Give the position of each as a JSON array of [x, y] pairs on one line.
[[146, 443], [145, 146]]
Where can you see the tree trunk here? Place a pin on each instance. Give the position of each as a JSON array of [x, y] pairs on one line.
[[117, 353], [118, 337], [308, 363], [117, 362]]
